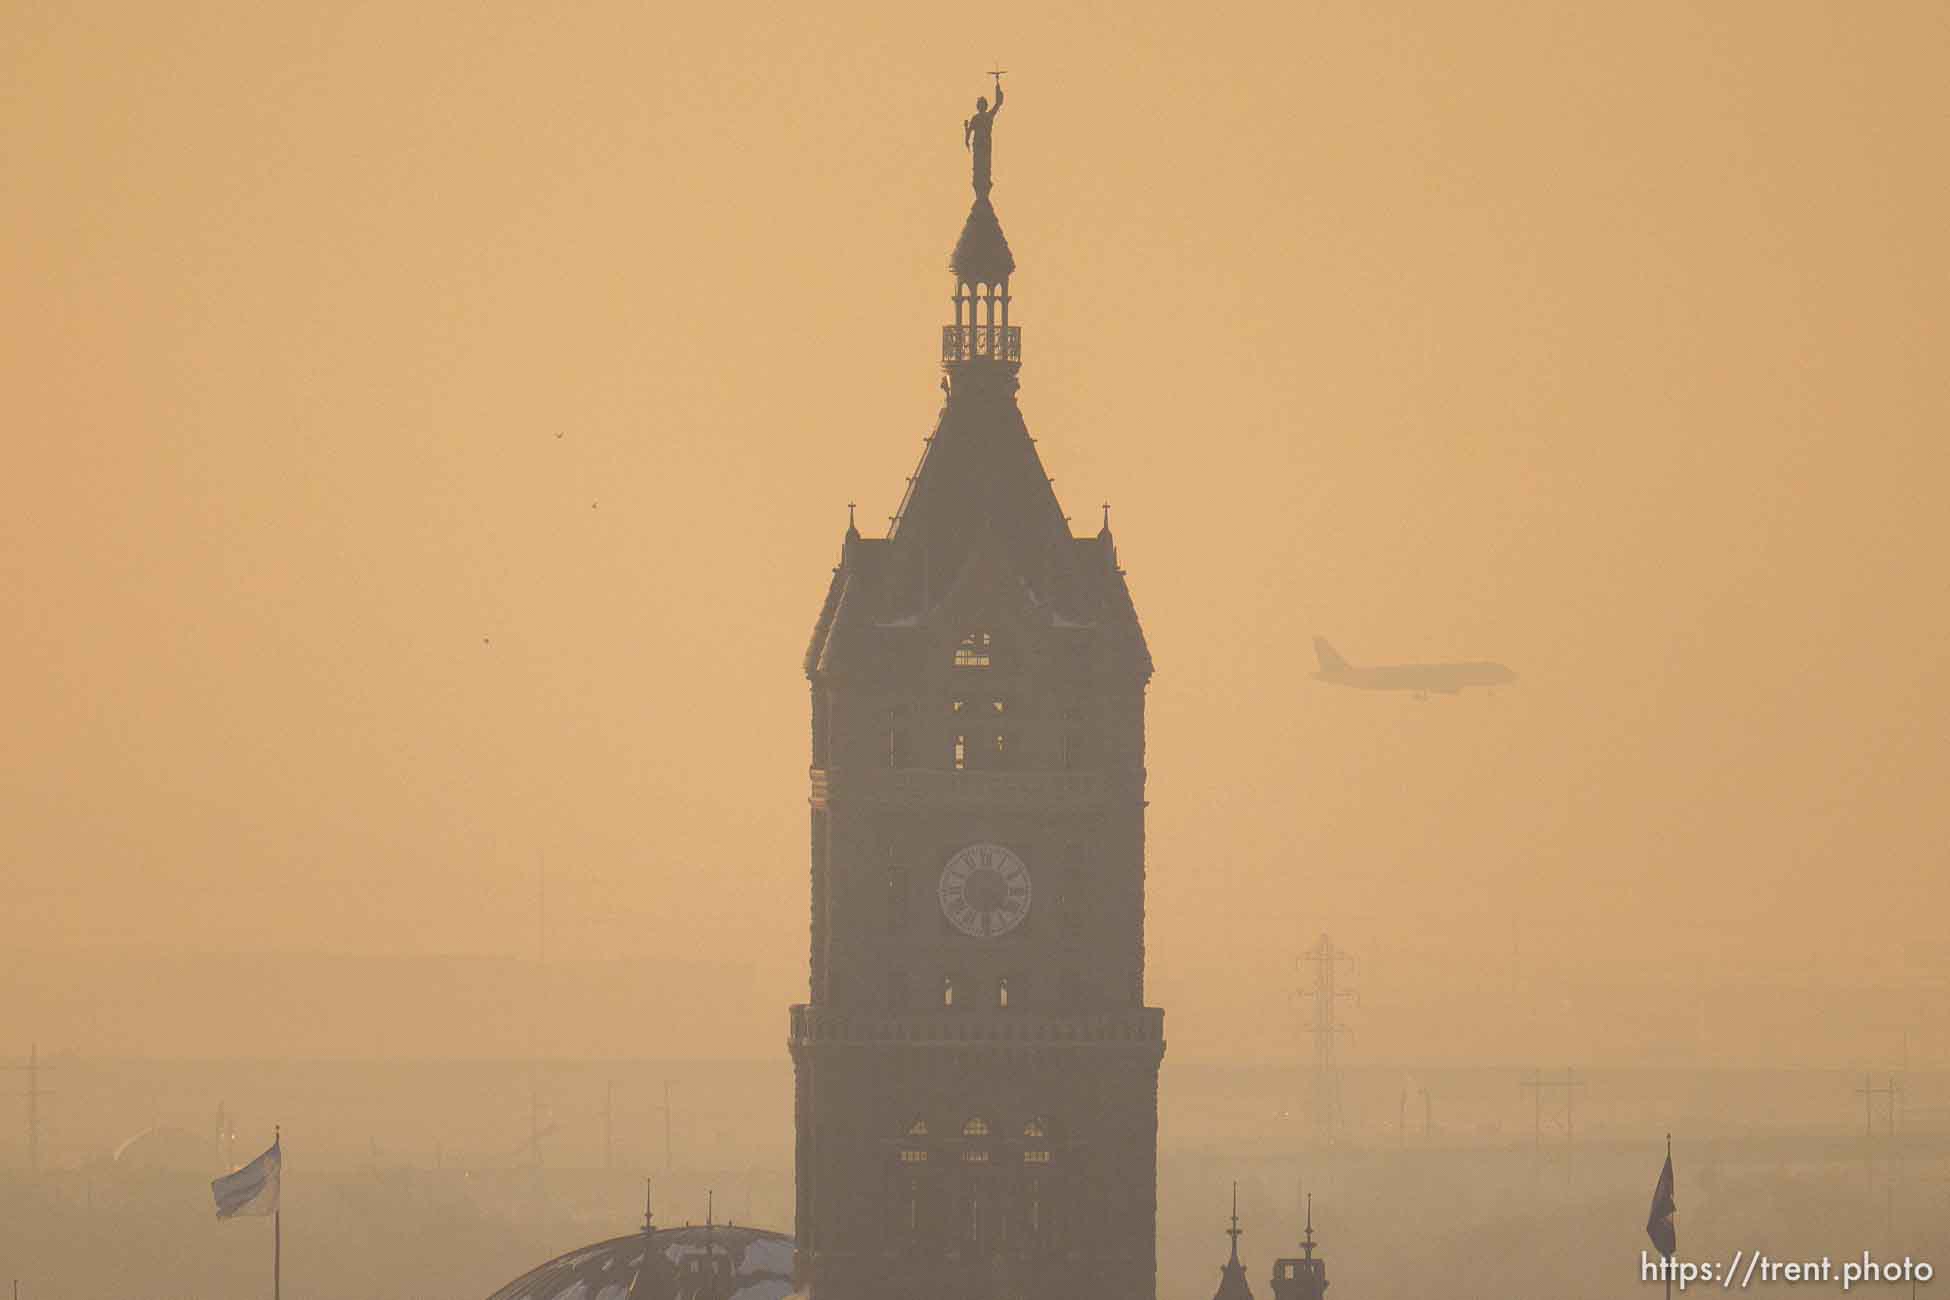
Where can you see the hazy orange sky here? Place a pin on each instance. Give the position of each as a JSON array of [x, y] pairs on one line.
[[431, 428]]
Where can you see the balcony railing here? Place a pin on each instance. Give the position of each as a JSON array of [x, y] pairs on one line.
[[1027, 788], [981, 343], [1137, 1026]]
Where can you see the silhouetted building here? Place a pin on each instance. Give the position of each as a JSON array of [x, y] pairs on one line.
[[1232, 1277], [976, 1071], [688, 1263], [1304, 1278]]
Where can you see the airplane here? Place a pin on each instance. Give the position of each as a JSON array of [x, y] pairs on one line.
[[1445, 679]]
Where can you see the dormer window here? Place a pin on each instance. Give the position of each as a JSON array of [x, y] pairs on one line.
[[973, 652]]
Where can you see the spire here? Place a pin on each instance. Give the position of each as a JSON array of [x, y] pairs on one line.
[[655, 1278], [982, 262], [1304, 1278], [1232, 1276]]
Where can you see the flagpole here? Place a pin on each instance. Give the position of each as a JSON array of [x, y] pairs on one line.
[[1668, 1257], [277, 1219]]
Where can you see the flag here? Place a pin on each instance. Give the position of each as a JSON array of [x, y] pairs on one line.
[[252, 1189], [1658, 1224]]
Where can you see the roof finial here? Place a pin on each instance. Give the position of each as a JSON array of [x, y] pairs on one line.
[[648, 1225], [1233, 1231], [1307, 1243]]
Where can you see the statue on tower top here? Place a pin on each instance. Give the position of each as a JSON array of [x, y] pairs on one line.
[[977, 135]]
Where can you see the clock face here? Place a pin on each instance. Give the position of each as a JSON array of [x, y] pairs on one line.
[[985, 891]]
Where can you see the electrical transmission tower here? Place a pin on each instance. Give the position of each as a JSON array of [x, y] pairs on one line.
[[1569, 1086], [1889, 1092], [1325, 1026], [33, 1095]]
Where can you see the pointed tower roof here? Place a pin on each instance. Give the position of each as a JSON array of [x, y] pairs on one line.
[[980, 522], [1232, 1277], [982, 253]]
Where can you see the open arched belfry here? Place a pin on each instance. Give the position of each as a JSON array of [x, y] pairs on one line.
[[976, 1070]]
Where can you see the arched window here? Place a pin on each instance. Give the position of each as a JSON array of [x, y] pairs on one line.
[[1035, 1128], [975, 1127], [918, 1129], [947, 990], [973, 652]]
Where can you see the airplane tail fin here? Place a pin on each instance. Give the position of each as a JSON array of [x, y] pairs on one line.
[[1330, 658]]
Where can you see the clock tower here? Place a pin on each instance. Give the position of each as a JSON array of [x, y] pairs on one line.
[[975, 1067]]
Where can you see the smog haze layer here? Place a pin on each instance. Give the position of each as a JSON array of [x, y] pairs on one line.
[[432, 429]]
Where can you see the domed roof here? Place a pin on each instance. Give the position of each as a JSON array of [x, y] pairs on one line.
[[761, 1265]]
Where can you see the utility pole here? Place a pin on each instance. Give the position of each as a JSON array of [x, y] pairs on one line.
[[609, 1125], [666, 1111], [1538, 1084], [1325, 1027], [33, 1095]]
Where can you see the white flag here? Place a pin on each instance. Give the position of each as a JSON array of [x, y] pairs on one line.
[[252, 1189]]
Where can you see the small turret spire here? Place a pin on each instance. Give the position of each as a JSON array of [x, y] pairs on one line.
[[1232, 1275], [649, 1224]]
